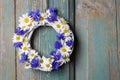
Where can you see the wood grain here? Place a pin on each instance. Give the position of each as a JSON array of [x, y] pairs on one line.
[[96, 23], [96, 26], [81, 43], [7, 52], [118, 33]]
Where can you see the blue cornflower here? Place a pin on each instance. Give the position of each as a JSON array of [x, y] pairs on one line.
[[55, 65], [18, 31], [18, 44], [69, 42], [53, 53], [60, 36], [52, 17], [57, 56], [52, 9], [57, 45], [35, 15], [34, 63], [23, 57]]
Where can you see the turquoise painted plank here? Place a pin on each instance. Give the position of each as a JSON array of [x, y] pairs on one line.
[[81, 42], [22, 7], [102, 40], [7, 51], [96, 32], [47, 39], [118, 32]]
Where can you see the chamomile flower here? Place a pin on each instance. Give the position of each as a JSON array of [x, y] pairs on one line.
[[57, 26], [25, 20], [65, 59], [25, 48], [42, 19], [25, 40], [66, 31], [46, 63], [48, 67], [27, 65], [65, 51], [32, 54], [17, 40], [47, 13], [23, 27]]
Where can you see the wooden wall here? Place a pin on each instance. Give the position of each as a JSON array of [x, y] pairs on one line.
[[96, 26]]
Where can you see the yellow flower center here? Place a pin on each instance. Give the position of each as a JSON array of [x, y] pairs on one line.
[[32, 54], [63, 49], [23, 27], [32, 19], [25, 48], [26, 20], [65, 31], [17, 37], [18, 56], [30, 25], [41, 18], [64, 23], [24, 40], [41, 60], [27, 64], [58, 25], [47, 65], [65, 57], [49, 60]]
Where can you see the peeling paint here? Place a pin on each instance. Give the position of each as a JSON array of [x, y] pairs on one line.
[[98, 9]]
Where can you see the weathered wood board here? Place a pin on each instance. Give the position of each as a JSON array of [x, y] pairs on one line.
[[96, 26]]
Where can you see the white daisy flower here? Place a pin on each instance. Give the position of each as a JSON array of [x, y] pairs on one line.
[[42, 19], [17, 38], [60, 19], [25, 20], [25, 48], [66, 31], [48, 67], [32, 54], [47, 13], [25, 40], [65, 59], [46, 63], [27, 65], [65, 51], [57, 26], [23, 27]]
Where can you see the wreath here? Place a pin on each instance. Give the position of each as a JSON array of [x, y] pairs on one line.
[[63, 46]]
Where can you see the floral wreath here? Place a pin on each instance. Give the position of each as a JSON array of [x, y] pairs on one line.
[[63, 46]]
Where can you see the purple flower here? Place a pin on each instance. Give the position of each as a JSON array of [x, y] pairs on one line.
[[18, 44], [35, 15], [60, 36], [34, 63], [55, 65], [23, 57], [69, 43], [57, 56], [57, 45], [53, 53], [52, 9], [18, 31], [52, 17]]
